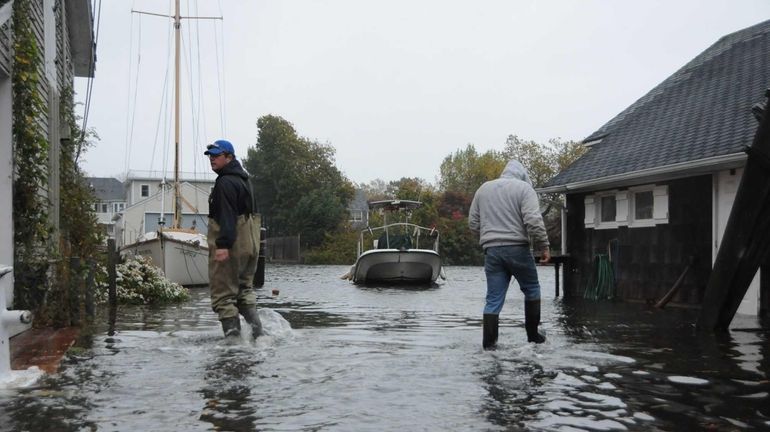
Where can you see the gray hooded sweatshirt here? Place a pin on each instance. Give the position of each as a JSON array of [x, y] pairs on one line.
[[506, 211]]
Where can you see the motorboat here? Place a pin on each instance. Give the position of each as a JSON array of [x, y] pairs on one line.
[[398, 252]]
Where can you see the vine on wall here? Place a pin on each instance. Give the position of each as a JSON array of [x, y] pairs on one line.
[[30, 166], [79, 227], [55, 293]]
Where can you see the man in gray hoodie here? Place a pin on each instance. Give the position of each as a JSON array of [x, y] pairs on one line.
[[506, 214]]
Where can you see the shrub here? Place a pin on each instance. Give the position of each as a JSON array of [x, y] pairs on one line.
[[139, 282]]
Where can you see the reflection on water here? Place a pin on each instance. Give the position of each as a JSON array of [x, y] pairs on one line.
[[382, 358], [228, 403]]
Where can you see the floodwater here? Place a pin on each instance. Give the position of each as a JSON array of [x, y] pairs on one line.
[[347, 358]]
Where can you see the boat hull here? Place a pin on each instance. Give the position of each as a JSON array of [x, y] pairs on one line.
[[412, 266], [185, 263]]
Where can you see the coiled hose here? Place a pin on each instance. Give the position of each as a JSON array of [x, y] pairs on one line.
[[604, 279]]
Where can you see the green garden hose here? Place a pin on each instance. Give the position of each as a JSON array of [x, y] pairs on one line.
[[604, 286]]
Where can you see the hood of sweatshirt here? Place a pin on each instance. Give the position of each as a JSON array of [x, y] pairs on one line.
[[514, 169], [234, 168]]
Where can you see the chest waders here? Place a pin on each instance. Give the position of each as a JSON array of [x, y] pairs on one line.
[[230, 281]]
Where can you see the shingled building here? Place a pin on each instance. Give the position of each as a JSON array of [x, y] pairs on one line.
[[655, 189]]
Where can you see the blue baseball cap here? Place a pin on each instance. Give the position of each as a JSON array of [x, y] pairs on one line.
[[219, 147]]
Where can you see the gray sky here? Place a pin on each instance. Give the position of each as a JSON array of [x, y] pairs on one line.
[[394, 86]]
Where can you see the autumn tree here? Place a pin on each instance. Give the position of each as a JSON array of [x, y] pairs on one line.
[[465, 170], [543, 162]]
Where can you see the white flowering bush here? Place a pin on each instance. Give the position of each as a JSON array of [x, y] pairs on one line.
[[139, 282]]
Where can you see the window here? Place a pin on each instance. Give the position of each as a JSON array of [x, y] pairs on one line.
[[608, 209], [145, 188], [105, 208], [356, 215], [639, 206], [117, 207], [643, 205]]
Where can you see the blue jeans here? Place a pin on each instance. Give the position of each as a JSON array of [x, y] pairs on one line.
[[502, 262]]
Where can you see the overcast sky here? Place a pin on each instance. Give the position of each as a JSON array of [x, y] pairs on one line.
[[393, 86]]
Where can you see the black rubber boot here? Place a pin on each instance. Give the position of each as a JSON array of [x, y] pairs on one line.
[[532, 320], [231, 327], [252, 317], [491, 322]]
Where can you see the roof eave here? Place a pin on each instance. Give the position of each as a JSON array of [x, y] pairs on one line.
[[80, 24], [657, 174]]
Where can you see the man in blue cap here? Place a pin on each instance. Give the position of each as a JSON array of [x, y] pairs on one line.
[[233, 242]]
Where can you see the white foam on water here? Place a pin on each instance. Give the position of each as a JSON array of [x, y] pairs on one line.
[[643, 416], [602, 400], [760, 395], [21, 378], [567, 380], [275, 325], [556, 422], [687, 380], [606, 386], [736, 423]]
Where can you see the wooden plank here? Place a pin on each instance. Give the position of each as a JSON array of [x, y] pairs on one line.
[[746, 239]]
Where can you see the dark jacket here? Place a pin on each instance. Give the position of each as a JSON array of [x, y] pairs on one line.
[[230, 198]]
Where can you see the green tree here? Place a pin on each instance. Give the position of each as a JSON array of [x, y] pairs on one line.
[[296, 185]]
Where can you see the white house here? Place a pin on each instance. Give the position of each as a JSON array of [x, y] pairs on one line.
[[110, 201], [145, 202]]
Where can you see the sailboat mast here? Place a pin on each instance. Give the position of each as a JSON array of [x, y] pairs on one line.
[[177, 191], [177, 202]]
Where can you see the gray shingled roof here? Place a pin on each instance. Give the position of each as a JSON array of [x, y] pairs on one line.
[[107, 188], [703, 110]]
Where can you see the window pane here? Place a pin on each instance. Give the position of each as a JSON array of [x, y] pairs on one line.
[[643, 205], [608, 208], [145, 190]]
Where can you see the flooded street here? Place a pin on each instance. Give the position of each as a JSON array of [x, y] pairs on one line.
[[395, 359]]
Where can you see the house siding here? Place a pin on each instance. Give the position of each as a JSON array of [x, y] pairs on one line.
[[6, 49], [648, 260]]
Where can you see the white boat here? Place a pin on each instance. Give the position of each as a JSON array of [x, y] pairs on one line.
[[181, 253], [401, 252]]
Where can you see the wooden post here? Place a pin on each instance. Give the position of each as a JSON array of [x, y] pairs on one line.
[[746, 239], [556, 267], [112, 262], [674, 289], [90, 290], [73, 296]]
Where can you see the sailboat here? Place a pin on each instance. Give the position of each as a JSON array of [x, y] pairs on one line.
[[182, 254]]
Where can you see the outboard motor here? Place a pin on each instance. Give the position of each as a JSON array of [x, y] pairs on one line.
[[10, 320]]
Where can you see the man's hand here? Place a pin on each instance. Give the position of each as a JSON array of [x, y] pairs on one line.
[[222, 255], [545, 256]]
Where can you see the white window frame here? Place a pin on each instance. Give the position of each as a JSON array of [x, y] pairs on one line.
[[633, 222], [625, 211], [598, 223], [356, 215]]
